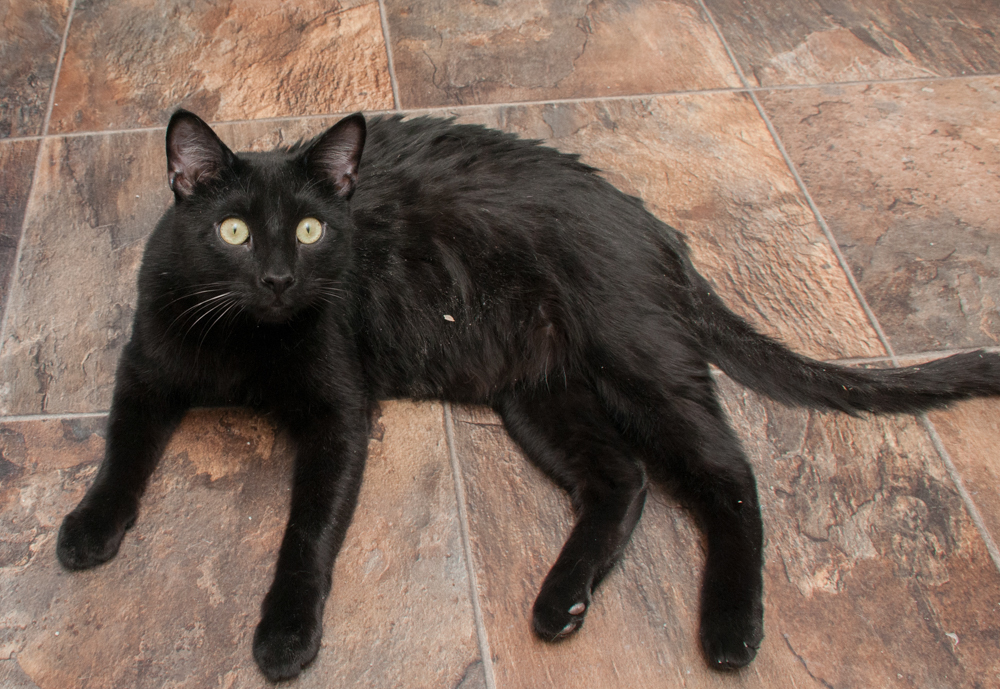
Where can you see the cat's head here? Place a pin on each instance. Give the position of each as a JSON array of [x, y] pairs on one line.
[[266, 235]]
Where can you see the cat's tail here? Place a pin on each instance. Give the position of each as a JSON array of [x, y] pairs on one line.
[[768, 367]]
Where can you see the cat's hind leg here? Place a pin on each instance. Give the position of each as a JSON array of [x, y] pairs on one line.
[[567, 434], [688, 443]]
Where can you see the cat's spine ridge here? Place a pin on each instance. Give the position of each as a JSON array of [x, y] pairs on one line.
[[768, 367]]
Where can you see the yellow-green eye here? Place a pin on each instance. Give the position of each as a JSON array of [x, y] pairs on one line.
[[233, 231], [309, 230]]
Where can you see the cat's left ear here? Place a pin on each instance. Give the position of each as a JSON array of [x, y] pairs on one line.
[[336, 154]]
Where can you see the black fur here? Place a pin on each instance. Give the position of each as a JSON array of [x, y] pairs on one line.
[[463, 264]]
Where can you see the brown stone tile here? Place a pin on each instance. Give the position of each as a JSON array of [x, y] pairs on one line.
[[129, 64], [96, 200], [17, 165], [178, 606], [813, 41], [971, 433], [30, 37], [454, 53], [707, 165], [13, 677], [906, 175], [875, 575]]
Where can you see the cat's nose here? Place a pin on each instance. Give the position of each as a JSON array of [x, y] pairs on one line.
[[278, 283]]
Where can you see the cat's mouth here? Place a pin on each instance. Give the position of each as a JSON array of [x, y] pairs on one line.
[[277, 310]]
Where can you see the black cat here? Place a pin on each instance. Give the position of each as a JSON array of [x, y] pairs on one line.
[[459, 263]]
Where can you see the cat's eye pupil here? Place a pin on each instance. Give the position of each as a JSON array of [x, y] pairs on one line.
[[309, 230], [234, 231]]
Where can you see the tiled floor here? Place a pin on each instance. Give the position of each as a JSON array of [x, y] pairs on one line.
[[791, 141]]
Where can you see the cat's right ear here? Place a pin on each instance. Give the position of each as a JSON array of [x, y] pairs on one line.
[[336, 154], [195, 154]]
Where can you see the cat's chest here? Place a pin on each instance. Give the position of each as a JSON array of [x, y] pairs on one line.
[[249, 369]]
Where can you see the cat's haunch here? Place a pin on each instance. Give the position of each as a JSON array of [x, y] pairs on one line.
[[421, 258]]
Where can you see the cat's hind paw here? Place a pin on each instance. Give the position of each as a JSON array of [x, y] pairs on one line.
[[89, 537], [560, 608], [730, 643]]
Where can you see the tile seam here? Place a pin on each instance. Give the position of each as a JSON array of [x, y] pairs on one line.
[[463, 522], [387, 37], [14, 418], [59, 62], [931, 431], [21, 139], [552, 101], [912, 356], [871, 82], [15, 270], [970, 505]]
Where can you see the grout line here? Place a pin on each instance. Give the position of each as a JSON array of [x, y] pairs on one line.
[[53, 417], [974, 514], [463, 522], [914, 357], [16, 265], [55, 76], [864, 82], [945, 457], [746, 88], [388, 51], [19, 139]]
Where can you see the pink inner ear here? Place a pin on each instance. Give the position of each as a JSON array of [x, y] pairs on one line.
[[194, 155], [337, 154], [344, 184]]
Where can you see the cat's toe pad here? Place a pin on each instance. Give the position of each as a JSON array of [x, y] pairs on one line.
[[553, 619]]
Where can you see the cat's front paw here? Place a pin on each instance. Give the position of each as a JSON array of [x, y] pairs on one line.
[[89, 536], [285, 642], [730, 638]]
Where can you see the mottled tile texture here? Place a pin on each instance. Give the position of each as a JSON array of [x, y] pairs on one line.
[[17, 165], [178, 605], [908, 178], [874, 567], [817, 41], [971, 434], [131, 63], [96, 200], [30, 34], [450, 53]]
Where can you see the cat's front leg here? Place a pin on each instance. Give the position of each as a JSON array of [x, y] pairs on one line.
[[143, 415], [331, 452]]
